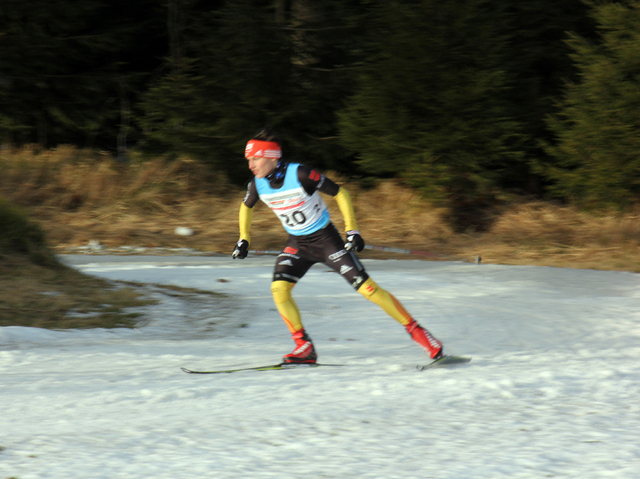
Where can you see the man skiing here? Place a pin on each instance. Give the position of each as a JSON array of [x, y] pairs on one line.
[[292, 190]]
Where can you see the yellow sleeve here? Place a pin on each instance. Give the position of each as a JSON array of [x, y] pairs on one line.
[[246, 215], [346, 208]]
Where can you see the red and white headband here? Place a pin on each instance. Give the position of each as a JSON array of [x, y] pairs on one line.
[[262, 149]]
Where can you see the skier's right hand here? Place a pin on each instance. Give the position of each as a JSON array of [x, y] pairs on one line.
[[241, 250], [354, 241]]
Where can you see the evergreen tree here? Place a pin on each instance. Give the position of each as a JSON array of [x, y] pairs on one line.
[[430, 108], [598, 128], [69, 70], [40, 43], [537, 65], [286, 65], [228, 80], [328, 44]]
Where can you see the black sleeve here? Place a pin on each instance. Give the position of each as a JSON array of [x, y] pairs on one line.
[[312, 180], [251, 198]]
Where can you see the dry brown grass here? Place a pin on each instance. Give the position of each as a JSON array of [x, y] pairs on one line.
[[62, 298], [78, 196], [544, 234]]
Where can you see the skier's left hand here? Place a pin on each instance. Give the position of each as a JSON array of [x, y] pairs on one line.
[[354, 241]]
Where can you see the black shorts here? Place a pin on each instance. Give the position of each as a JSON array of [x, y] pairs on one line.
[[324, 246]]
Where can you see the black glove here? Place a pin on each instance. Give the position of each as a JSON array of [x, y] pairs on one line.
[[241, 250], [354, 241]]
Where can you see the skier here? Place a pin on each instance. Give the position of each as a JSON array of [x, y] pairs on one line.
[[291, 191]]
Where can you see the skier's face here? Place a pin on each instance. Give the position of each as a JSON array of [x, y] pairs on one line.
[[261, 166]]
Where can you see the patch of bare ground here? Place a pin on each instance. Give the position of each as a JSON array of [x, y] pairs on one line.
[[62, 298]]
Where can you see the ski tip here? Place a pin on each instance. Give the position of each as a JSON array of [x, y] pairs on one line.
[[446, 360]]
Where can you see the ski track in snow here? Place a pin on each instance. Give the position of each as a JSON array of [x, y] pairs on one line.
[[552, 391]]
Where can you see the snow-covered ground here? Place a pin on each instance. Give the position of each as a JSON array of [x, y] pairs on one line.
[[553, 389]]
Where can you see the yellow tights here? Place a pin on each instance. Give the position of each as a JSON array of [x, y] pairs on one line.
[[290, 313], [388, 302], [281, 291]]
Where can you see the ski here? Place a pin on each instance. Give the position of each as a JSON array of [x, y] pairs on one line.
[[270, 367], [444, 361]]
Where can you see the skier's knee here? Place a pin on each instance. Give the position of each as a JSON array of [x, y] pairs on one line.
[[370, 290], [281, 291]]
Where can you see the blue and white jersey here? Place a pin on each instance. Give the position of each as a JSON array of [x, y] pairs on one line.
[[301, 213]]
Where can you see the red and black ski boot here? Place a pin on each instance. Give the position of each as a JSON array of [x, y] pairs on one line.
[[304, 352], [432, 346]]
